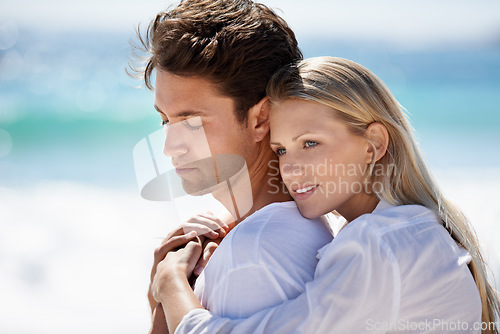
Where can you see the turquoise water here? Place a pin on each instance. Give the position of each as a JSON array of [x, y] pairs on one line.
[[72, 112]]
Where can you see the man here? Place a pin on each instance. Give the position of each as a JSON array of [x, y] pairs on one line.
[[213, 60]]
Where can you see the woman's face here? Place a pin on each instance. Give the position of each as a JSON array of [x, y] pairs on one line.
[[321, 162]]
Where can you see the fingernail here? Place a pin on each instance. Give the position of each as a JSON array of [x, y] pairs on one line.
[[214, 234], [191, 234]]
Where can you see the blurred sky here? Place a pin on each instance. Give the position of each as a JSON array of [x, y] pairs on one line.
[[410, 24]]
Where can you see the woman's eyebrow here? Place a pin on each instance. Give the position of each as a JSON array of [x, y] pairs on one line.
[[294, 138], [302, 134]]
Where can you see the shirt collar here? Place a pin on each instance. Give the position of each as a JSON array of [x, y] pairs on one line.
[[382, 205]]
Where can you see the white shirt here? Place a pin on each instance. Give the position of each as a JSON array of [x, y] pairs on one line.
[[395, 270], [265, 260]]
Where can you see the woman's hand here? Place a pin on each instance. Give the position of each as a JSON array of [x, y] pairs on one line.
[[177, 265], [209, 228], [171, 289], [206, 224]]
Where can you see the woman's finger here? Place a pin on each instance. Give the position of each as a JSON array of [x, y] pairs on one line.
[[210, 216], [193, 251], [210, 222], [202, 229], [209, 248], [170, 245], [173, 243], [175, 233]]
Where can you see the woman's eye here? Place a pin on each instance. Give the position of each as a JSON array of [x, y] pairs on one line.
[[163, 123], [280, 151], [310, 143]]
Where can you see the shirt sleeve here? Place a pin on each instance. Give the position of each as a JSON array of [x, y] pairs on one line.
[[258, 286], [356, 289], [265, 263]]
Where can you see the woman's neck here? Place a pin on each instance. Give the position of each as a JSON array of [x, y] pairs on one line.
[[363, 204]]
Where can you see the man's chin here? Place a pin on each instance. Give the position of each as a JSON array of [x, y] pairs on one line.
[[196, 188]]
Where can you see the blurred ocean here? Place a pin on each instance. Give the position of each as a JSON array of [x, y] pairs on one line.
[[76, 239]]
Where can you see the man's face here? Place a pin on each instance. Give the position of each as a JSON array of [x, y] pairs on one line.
[[201, 124]]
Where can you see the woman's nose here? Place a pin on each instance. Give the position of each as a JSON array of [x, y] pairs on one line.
[[290, 168]]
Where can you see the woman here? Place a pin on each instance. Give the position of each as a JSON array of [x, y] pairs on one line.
[[407, 260]]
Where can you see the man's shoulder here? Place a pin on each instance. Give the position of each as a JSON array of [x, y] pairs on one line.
[[280, 216], [279, 225], [275, 210], [276, 237]]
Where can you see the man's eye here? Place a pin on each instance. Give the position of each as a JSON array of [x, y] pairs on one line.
[[193, 123], [280, 151], [310, 143]]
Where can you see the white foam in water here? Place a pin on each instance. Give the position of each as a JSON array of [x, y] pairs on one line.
[[76, 258]]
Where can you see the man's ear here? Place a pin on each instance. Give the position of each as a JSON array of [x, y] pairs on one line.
[[258, 119], [379, 136]]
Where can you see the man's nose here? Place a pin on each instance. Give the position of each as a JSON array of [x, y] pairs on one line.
[[174, 145]]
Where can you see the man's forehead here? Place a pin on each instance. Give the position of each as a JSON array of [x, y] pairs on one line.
[[178, 96]]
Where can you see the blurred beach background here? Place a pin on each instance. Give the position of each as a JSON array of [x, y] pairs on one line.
[[76, 238]]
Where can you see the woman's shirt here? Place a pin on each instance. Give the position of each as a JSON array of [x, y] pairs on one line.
[[265, 260], [396, 270]]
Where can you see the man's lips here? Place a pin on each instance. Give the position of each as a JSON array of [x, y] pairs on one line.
[[183, 171]]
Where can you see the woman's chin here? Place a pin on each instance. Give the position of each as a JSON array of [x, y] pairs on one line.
[[308, 213]]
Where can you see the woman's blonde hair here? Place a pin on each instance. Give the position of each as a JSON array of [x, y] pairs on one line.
[[360, 98]]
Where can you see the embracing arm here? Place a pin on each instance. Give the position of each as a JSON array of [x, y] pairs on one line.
[[159, 322], [170, 286], [254, 284], [211, 230], [356, 288], [266, 268], [179, 300], [207, 226]]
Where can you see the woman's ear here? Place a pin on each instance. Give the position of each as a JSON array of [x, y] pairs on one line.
[[378, 135], [258, 119]]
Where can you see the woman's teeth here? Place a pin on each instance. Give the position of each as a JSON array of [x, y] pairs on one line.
[[303, 190]]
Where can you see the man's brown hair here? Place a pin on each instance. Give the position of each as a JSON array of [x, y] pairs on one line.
[[235, 44]]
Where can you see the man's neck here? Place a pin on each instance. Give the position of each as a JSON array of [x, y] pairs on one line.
[[267, 186]]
